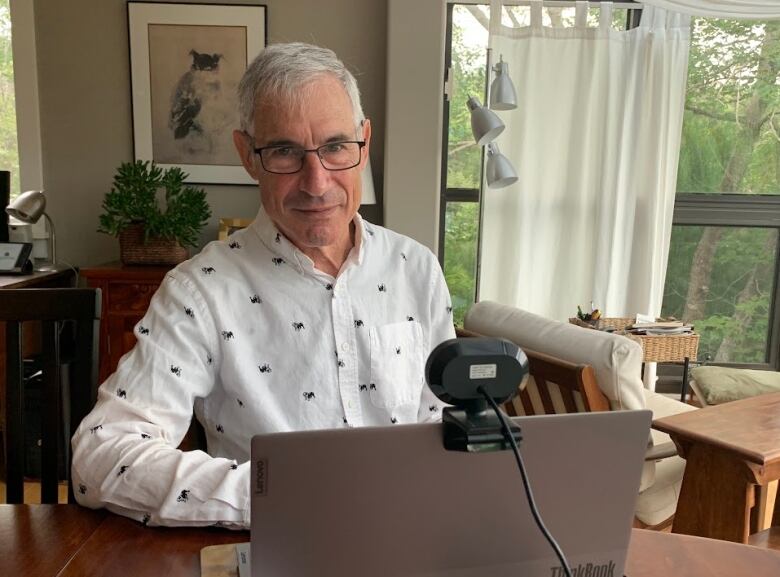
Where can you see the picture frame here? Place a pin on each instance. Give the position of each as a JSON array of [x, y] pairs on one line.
[[186, 61], [228, 226]]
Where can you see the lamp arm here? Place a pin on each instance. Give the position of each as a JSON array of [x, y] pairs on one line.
[[53, 239]]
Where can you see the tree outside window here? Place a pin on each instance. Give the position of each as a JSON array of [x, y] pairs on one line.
[[722, 278]]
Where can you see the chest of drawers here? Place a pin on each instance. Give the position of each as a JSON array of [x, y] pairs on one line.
[[127, 291]]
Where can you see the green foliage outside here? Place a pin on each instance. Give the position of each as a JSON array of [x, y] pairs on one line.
[[133, 199], [464, 166], [9, 154], [722, 278]]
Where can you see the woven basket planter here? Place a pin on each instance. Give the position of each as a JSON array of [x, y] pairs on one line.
[[132, 249]]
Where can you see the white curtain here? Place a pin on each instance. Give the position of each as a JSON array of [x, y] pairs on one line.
[[595, 140], [751, 9]]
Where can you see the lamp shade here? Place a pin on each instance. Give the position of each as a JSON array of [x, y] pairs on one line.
[[485, 124], [368, 195], [502, 91], [28, 206], [500, 172]]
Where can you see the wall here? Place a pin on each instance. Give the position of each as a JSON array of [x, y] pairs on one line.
[[85, 105], [415, 72]]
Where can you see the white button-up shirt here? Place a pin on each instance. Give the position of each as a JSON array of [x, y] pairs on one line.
[[254, 339]]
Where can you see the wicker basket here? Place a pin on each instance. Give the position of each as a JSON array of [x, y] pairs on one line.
[[655, 348], [132, 249]]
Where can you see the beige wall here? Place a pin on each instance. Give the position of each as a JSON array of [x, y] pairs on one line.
[[85, 108], [413, 144]]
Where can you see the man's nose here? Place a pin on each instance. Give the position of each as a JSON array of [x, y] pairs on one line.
[[314, 177]]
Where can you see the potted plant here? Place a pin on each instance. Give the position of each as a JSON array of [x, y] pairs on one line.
[[149, 233]]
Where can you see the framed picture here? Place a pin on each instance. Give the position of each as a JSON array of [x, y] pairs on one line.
[[186, 62]]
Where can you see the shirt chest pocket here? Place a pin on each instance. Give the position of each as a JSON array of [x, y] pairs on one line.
[[396, 364]]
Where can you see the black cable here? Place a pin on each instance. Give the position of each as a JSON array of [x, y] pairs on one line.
[[526, 485]]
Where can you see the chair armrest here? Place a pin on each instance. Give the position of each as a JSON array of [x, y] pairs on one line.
[[661, 451], [461, 332]]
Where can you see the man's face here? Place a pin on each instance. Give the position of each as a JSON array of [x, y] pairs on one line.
[[314, 206]]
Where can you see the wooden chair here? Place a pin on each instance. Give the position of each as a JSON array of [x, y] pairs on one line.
[[557, 386], [554, 386], [69, 378]]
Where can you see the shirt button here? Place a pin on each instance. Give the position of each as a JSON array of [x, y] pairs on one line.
[[345, 346]]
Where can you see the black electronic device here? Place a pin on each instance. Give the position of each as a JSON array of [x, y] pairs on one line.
[[462, 372], [5, 199], [15, 258]]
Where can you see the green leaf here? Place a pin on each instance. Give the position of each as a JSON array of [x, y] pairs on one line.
[[133, 198]]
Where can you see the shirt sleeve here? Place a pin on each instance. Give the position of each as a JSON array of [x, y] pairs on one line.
[[441, 328], [124, 452]]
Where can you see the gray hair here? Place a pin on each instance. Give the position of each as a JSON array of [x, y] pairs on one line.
[[281, 69]]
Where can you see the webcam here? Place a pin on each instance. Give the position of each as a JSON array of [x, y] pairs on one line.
[[463, 372]]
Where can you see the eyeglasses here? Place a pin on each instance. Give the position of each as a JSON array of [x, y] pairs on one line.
[[288, 159]]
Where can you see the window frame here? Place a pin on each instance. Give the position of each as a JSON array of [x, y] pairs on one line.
[[739, 211]]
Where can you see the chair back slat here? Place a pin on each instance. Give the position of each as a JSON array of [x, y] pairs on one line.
[[14, 417], [69, 382], [568, 399], [50, 411]]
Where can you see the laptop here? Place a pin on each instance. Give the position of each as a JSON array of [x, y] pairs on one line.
[[392, 502]]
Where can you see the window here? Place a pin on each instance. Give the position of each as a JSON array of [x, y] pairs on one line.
[[722, 269], [466, 63], [9, 155]]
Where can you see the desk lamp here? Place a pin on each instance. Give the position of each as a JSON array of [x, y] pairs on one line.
[[29, 207]]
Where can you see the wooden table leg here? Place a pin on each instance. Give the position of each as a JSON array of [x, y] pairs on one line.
[[716, 496], [761, 517]]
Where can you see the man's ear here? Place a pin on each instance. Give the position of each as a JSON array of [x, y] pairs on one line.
[[366, 125], [246, 152]]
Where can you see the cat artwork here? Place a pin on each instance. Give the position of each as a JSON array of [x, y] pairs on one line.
[[201, 113]]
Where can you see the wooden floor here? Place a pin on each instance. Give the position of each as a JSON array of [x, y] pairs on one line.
[[32, 492]]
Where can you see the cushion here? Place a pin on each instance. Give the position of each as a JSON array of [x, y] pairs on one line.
[[616, 360], [725, 384]]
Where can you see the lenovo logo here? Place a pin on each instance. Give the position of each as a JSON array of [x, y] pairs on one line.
[[261, 477], [587, 570]]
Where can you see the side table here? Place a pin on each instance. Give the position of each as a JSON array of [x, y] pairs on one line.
[[676, 348], [127, 291], [730, 450]]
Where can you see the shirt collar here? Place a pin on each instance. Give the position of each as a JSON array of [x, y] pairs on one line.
[[279, 245]]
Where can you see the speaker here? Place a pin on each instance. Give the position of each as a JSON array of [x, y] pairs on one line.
[[5, 198]]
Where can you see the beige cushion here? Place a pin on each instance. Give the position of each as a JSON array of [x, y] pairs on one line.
[[616, 360], [658, 500], [725, 384]]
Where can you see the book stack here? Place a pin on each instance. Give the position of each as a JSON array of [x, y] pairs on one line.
[[659, 328]]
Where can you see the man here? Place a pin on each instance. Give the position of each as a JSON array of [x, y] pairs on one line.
[[309, 318]]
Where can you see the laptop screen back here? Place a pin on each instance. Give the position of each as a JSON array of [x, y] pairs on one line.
[[391, 501]]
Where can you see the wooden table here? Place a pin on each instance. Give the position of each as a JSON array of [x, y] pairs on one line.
[[730, 449], [69, 541]]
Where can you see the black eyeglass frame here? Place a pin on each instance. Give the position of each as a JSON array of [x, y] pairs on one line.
[[360, 143]]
